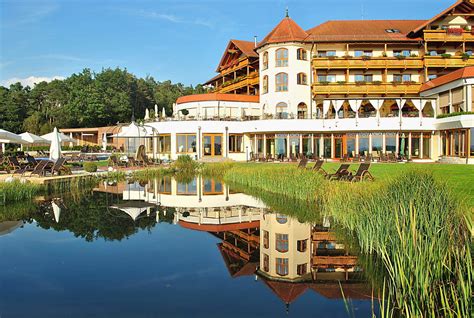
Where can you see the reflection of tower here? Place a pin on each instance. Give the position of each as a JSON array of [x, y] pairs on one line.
[[285, 252]]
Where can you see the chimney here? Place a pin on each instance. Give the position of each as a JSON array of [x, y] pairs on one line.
[[255, 40]]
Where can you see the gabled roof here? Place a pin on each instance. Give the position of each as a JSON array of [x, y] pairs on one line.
[[246, 49], [286, 31], [286, 291], [448, 78], [363, 30], [462, 6]]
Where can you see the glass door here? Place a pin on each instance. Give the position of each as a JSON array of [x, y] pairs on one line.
[[212, 145]]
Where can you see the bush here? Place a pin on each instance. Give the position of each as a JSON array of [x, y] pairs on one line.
[[90, 166]]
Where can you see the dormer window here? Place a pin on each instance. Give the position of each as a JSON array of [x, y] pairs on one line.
[[392, 30]]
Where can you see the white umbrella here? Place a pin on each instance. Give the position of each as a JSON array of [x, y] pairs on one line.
[[133, 208], [34, 139], [56, 211], [104, 141], [156, 111], [133, 131], [11, 138], [55, 148], [62, 137], [147, 114]]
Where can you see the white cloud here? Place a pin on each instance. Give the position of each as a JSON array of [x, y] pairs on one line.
[[29, 81], [169, 17]]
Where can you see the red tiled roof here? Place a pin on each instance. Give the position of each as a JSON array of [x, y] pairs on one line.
[[218, 97], [363, 30], [450, 77], [464, 5], [247, 47], [286, 291], [286, 31]]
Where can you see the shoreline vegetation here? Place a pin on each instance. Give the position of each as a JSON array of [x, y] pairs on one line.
[[415, 220]]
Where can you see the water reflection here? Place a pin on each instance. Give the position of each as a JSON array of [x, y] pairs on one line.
[[291, 259], [288, 256]]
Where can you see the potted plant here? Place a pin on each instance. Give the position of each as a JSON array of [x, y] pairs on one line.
[[341, 82], [324, 82], [396, 82], [360, 82], [347, 56], [445, 55], [465, 56], [365, 57], [400, 57]]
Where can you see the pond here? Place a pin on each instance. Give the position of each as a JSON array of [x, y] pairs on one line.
[[164, 248]]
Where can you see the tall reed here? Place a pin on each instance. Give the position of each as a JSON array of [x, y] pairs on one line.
[[16, 191]]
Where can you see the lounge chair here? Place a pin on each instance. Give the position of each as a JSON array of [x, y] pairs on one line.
[[318, 167], [115, 162], [342, 171], [58, 167], [361, 174], [356, 158], [392, 158], [147, 162], [39, 170], [302, 164], [345, 158], [14, 163]]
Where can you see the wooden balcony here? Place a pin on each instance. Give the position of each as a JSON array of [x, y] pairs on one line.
[[372, 63], [235, 67], [251, 80], [454, 61], [444, 36], [323, 236], [366, 89], [335, 261]]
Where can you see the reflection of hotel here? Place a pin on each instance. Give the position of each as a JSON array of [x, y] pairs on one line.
[[342, 87]]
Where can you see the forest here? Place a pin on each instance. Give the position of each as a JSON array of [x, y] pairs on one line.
[[86, 99]]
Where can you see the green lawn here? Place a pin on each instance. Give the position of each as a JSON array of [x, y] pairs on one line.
[[459, 177]]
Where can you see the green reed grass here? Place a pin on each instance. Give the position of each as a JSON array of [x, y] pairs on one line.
[[412, 223], [16, 191]]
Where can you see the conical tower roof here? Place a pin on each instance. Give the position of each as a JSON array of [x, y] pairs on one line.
[[286, 31]]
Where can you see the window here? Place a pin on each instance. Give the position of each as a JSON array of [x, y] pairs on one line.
[[402, 77], [281, 57], [327, 78], [265, 239], [186, 143], [282, 110], [164, 144], [436, 52], [282, 242], [235, 143], [281, 218], [187, 188], [363, 77], [301, 269], [359, 53], [301, 245], [392, 30], [266, 263], [406, 77], [301, 79], [265, 84], [432, 76], [326, 53], [265, 60], [281, 82], [405, 53], [282, 266], [301, 54]]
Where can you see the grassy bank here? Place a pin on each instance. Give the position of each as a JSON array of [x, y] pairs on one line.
[[412, 219], [16, 191]]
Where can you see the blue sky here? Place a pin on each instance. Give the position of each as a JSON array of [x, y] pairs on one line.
[[177, 40]]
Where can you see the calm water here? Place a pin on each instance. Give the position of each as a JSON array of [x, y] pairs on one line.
[[172, 249]]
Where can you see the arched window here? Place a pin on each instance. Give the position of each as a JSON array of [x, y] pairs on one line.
[[265, 60], [281, 82], [282, 110], [301, 54], [281, 57], [265, 85], [302, 110], [301, 79], [428, 111], [281, 218]]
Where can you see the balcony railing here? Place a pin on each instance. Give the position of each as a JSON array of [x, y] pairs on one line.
[[367, 88], [454, 61], [367, 63], [447, 36], [251, 80], [235, 66]]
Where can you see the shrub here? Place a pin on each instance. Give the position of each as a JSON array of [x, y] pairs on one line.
[[90, 166], [445, 55]]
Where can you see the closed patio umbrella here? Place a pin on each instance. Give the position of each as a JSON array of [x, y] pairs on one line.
[[402, 145], [56, 211], [55, 148]]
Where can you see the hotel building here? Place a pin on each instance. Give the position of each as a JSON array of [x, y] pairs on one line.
[[340, 88]]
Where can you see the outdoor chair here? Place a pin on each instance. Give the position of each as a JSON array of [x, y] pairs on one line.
[[391, 157], [356, 158], [58, 167], [147, 162], [302, 164], [39, 170], [383, 158], [361, 174], [318, 167], [114, 162], [342, 171], [14, 164], [345, 158]]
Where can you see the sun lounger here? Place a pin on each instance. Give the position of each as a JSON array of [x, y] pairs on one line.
[[302, 164], [318, 167], [361, 174], [39, 170], [58, 167], [342, 171]]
